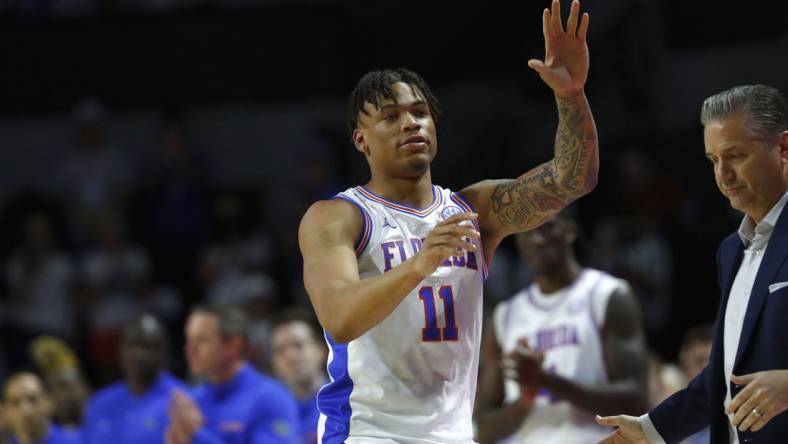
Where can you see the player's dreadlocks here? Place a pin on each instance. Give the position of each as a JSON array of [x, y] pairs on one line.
[[375, 86]]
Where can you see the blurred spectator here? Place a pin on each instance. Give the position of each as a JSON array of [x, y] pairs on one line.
[[664, 379], [64, 379], [176, 203], [236, 404], [27, 412], [94, 174], [134, 411], [116, 287], [693, 357], [39, 276], [299, 359]]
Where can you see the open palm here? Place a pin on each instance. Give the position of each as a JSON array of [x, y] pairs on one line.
[[565, 67]]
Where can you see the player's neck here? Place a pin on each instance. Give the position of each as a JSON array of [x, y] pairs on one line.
[[560, 278], [414, 192]]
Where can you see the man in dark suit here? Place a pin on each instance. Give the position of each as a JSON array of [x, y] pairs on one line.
[[742, 393]]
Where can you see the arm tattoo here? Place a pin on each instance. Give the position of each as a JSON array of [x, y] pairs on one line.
[[532, 198]]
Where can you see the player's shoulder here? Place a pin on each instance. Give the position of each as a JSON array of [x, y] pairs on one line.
[[338, 215], [605, 281], [268, 390], [108, 396]]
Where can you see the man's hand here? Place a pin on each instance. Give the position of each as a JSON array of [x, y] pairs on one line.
[[185, 419], [565, 67], [764, 397], [629, 430], [446, 239], [524, 365]]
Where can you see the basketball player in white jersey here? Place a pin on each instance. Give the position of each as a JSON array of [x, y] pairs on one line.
[[395, 268], [576, 336]]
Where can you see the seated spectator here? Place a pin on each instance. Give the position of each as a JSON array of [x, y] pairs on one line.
[[236, 404], [299, 359], [64, 380], [693, 357], [27, 413], [134, 411]]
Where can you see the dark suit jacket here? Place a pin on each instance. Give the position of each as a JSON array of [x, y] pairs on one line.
[[763, 346]]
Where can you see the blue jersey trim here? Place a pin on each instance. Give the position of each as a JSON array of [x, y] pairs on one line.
[[333, 400]]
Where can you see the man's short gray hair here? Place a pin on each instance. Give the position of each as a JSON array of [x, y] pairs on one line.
[[764, 108]]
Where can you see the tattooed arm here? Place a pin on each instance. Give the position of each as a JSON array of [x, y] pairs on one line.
[[511, 206]]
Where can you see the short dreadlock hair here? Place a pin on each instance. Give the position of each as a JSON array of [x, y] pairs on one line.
[[375, 86]]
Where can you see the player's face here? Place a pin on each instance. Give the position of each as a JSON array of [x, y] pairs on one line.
[[297, 357], [205, 349], [398, 139], [546, 247], [26, 407], [748, 167]]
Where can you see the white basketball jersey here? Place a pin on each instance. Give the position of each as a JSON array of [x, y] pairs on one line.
[[566, 326], [411, 378]]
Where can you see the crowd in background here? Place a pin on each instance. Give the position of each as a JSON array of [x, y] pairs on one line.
[[111, 214]]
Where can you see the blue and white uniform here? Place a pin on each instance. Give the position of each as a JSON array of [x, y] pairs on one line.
[[411, 378], [566, 326]]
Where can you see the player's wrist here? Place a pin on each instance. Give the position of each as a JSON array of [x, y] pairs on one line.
[[569, 94]]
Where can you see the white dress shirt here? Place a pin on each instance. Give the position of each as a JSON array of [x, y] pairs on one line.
[[755, 239]]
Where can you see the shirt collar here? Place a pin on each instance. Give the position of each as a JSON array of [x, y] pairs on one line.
[[748, 230]]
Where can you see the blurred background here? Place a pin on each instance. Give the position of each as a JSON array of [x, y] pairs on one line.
[[155, 154]]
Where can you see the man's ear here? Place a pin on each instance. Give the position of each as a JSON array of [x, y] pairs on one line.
[[783, 143], [359, 142]]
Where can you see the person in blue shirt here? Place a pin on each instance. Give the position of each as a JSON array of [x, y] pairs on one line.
[[27, 412], [134, 411], [236, 404], [299, 360]]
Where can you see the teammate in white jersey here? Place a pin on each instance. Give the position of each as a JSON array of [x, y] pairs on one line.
[[394, 268], [576, 336]]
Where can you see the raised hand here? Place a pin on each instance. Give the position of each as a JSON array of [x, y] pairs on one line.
[[451, 237], [629, 430], [565, 67]]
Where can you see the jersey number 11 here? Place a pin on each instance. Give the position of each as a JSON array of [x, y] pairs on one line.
[[431, 332]]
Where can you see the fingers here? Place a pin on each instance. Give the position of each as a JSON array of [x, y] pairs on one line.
[[743, 379], [763, 420], [610, 421], [740, 399], [750, 419], [571, 23], [555, 18], [581, 33], [745, 409]]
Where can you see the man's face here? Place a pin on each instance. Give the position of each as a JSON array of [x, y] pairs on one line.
[[205, 346], [26, 407], [297, 357], [748, 167], [546, 247], [398, 139], [142, 351]]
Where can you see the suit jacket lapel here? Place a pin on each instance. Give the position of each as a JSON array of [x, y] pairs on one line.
[[776, 251]]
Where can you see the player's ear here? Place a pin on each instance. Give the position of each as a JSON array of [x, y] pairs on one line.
[[360, 142], [783, 144]]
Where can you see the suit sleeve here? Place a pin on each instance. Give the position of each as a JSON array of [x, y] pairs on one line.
[[686, 412]]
